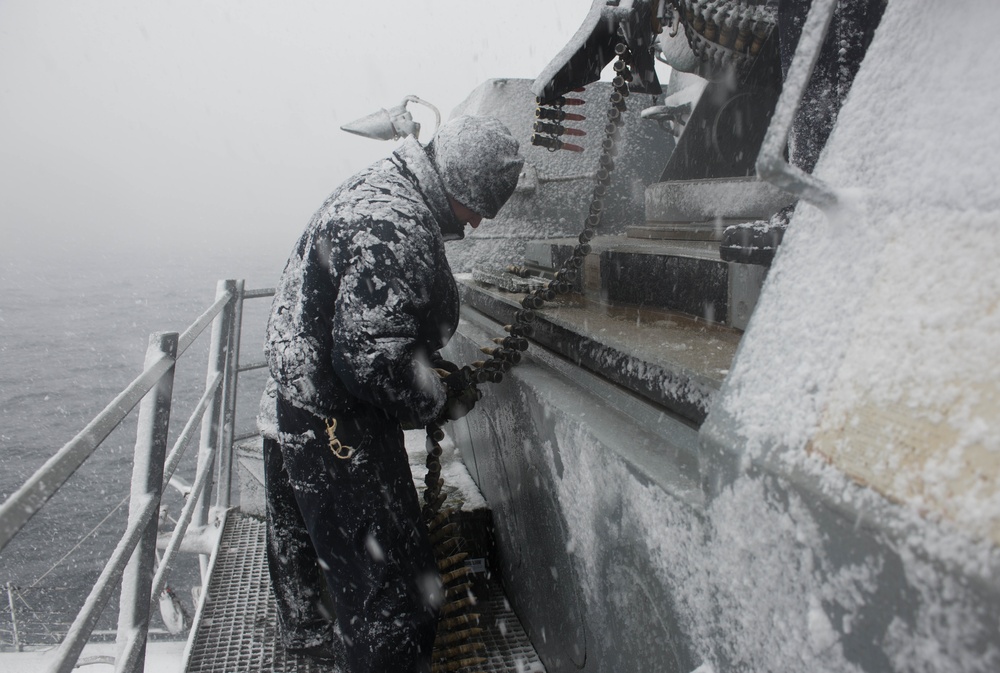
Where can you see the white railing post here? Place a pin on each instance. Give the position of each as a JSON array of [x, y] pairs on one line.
[[147, 484], [212, 420], [234, 314]]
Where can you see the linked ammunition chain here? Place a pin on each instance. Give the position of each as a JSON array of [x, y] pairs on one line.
[[459, 646], [507, 351], [549, 129], [507, 280], [725, 32]]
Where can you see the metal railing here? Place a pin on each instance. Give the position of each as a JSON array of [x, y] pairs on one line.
[[131, 566]]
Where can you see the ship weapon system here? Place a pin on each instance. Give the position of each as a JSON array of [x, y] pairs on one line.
[[631, 258], [625, 34]]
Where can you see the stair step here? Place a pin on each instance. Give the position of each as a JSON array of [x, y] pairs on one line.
[[673, 275], [668, 358]]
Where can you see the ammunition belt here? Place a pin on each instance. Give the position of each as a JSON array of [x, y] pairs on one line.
[[724, 32]]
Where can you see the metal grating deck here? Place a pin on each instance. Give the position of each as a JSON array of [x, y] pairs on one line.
[[508, 649], [236, 627]]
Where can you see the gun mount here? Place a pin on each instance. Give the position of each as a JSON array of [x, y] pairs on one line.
[[718, 458]]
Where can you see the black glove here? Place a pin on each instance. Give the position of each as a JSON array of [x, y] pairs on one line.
[[409, 424], [462, 396], [438, 362]]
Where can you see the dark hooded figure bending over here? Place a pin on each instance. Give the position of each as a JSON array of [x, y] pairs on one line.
[[364, 303]]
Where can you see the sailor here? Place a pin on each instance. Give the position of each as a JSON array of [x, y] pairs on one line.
[[366, 300]]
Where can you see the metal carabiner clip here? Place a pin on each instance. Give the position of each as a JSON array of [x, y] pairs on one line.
[[339, 450]]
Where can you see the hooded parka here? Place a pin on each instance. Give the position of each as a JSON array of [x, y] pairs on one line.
[[367, 295], [365, 299]]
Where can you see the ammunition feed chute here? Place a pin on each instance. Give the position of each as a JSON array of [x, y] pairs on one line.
[[724, 33]]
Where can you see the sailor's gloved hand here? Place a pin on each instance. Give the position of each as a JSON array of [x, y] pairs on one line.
[[441, 366], [462, 395], [409, 424]]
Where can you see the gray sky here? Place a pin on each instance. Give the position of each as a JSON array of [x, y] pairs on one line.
[[156, 121]]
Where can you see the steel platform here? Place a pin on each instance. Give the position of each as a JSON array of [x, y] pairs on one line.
[[236, 625]]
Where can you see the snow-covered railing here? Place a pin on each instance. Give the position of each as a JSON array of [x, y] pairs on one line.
[[771, 163], [132, 563]]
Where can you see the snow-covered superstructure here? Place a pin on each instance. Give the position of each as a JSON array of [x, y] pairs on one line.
[[764, 434], [723, 459]]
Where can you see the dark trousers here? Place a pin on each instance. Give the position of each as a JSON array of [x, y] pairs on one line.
[[354, 524]]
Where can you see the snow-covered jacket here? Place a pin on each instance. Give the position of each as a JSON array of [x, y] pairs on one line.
[[367, 295]]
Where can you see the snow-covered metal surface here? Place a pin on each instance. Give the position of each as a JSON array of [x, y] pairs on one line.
[[845, 499], [671, 360], [561, 455], [688, 201], [867, 382], [582, 59], [889, 302]]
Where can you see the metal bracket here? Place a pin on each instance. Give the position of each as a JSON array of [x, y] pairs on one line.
[[771, 163]]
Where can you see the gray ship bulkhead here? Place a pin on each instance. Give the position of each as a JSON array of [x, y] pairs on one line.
[[672, 500]]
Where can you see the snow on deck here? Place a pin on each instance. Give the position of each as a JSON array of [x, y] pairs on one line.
[[161, 657]]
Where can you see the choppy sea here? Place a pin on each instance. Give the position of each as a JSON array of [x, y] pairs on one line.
[[73, 334]]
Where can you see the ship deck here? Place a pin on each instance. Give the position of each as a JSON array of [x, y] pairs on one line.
[[236, 626]]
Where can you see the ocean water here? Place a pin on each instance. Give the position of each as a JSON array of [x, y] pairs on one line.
[[73, 334]]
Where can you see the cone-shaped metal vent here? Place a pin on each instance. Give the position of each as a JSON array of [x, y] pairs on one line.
[[391, 124], [377, 125]]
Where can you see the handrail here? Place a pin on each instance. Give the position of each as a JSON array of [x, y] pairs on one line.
[[132, 561], [224, 478], [245, 436], [212, 427], [180, 528], [69, 650], [251, 366], [771, 163], [261, 293], [185, 437], [18, 509], [204, 320]]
